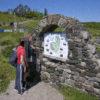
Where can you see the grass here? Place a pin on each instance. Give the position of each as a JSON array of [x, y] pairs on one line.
[[5, 27], [94, 32], [7, 72], [94, 25], [93, 28], [98, 48], [10, 38], [70, 93], [30, 24], [6, 18], [58, 29]]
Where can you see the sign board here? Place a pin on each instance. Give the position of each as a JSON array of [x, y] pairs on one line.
[[56, 46]]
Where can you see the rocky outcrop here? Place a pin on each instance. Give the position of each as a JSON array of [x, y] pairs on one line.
[[82, 69]]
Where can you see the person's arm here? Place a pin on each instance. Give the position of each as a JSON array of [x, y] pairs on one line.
[[35, 48], [23, 63]]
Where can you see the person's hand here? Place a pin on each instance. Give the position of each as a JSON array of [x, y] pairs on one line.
[[24, 69]]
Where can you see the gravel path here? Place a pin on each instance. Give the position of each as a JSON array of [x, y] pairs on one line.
[[41, 91]]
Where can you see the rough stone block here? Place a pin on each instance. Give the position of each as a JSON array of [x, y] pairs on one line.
[[84, 34]]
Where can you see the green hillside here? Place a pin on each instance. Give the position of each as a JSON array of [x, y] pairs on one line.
[[5, 17], [95, 25], [7, 72], [93, 28], [29, 24], [26, 23]]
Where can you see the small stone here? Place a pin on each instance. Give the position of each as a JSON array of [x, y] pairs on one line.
[[89, 88], [48, 63], [96, 85], [43, 68], [69, 82], [92, 48], [70, 55], [84, 34], [96, 91], [98, 62], [97, 68], [62, 79], [45, 75], [43, 23], [83, 64], [82, 71], [53, 64], [67, 71], [60, 70], [51, 83], [66, 75], [45, 59], [98, 75], [76, 74], [94, 79]]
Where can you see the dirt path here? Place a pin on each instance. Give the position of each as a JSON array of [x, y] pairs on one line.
[[41, 91]]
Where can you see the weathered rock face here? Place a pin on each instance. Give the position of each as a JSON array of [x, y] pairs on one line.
[[82, 69]]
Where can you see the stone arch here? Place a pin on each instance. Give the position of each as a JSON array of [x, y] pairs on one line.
[[51, 22], [81, 65], [71, 26]]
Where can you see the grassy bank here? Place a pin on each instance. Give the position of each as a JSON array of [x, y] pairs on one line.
[[7, 42], [30, 24], [7, 72], [93, 28], [74, 94], [7, 18]]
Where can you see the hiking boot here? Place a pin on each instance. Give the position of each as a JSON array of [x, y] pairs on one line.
[[16, 87], [20, 92]]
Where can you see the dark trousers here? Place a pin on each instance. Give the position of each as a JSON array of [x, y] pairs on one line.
[[19, 77]]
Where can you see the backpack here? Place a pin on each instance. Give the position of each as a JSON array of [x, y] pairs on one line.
[[13, 58]]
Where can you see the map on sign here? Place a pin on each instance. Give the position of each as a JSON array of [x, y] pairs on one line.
[[56, 46]]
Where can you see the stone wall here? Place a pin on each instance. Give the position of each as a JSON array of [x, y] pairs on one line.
[[82, 69]]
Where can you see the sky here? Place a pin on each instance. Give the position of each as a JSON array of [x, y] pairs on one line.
[[83, 10]]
